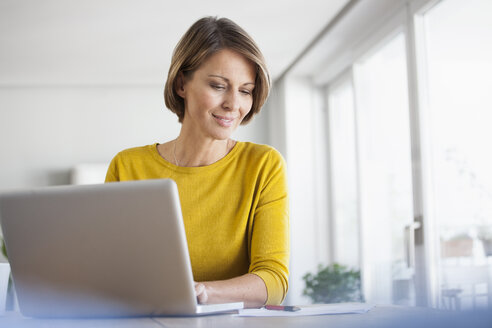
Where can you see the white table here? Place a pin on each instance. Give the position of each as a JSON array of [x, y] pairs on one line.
[[379, 316]]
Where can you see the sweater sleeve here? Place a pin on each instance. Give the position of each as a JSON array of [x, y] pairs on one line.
[[270, 245], [112, 174]]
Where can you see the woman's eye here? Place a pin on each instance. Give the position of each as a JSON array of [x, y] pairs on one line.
[[217, 86], [246, 92]]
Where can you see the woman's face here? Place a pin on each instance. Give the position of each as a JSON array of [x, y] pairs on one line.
[[218, 95]]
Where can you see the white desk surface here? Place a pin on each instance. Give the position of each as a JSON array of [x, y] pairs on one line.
[[388, 316]]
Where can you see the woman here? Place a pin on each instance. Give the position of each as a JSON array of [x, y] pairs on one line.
[[233, 194]]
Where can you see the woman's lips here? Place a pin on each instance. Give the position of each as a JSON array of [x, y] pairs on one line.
[[223, 120]]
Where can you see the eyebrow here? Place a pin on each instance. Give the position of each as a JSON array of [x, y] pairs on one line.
[[227, 80]]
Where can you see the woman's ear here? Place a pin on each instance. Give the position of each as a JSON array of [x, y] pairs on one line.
[[180, 85]]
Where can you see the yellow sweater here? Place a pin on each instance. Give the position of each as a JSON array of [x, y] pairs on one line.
[[235, 211]]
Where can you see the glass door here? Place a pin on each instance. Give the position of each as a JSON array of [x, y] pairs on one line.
[[458, 111], [385, 174]]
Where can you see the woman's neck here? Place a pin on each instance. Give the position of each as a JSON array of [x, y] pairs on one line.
[[188, 151]]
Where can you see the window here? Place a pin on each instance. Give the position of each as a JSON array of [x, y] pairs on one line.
[[345, 225], [458, 43], [409, 145], [385, 172]]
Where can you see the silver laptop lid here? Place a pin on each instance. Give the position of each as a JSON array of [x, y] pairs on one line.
[[116, 249]]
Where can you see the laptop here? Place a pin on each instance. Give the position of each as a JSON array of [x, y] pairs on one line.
[[108, 250]]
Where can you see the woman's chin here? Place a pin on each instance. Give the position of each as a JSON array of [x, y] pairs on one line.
[[222, 134]]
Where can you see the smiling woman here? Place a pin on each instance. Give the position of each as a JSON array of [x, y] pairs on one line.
[[233, 194]]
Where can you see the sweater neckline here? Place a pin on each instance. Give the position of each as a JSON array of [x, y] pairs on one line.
[[194, 169]]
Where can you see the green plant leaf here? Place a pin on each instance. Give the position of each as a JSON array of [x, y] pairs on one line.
[[4, 249], [333, 284]]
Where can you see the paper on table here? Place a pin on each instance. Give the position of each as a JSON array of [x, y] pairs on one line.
[[317, 309]]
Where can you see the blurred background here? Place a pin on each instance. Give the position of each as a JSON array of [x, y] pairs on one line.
[[381, 108]]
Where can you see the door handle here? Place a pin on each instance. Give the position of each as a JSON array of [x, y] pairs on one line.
[[410, 243]]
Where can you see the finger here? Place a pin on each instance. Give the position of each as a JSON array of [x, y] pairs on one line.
[[199, 288], [201, 293]]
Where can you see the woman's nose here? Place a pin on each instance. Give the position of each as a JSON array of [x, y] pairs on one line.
[[231, 101]]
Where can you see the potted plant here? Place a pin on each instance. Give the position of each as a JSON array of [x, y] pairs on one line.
[[334, 283], [10, 290]]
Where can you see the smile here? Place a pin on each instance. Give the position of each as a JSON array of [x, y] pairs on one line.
[[223, 121]]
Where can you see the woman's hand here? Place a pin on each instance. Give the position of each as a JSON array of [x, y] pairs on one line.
[[247, 288], [201, 293]]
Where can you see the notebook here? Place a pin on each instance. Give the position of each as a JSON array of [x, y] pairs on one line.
[[108, 250]]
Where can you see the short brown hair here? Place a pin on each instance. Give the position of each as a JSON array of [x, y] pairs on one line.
[[204, 38]]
